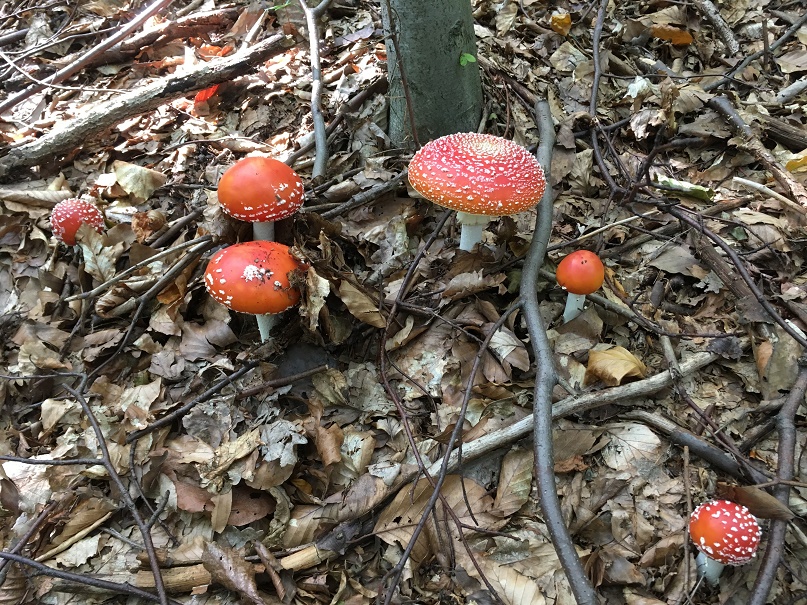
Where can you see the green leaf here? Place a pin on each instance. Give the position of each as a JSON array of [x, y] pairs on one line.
[[466, 58]]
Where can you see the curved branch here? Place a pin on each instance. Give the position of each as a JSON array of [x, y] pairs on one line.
[[545, 378], [786, 472]]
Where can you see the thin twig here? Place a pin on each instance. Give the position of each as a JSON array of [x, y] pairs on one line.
[[320, 136], [785, 472], [712, 13], [123, 490]]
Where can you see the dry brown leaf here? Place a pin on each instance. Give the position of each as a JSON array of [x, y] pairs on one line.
[[137, 181], [360, 305], [329, 441], [515, 482], [759, 502], [560, 22], [676, 35], [228, 568], [398, 520], [660, 552], [612, 366]]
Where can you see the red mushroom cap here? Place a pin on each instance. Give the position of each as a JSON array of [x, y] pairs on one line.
[[69, 215], [725, 531], [581, 272], [477, 174], [253, 277], [260, 190]]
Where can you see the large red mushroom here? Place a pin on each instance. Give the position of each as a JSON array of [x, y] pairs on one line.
[[260, 190], [254, 277], [725, 533], [479, 175]]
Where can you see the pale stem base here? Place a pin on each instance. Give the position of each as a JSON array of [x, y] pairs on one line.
[[574, 306], [472, 227], [264, 232], [265, 325], [708, 569]]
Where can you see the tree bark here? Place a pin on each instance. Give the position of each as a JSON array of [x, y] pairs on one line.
[[434, 39]]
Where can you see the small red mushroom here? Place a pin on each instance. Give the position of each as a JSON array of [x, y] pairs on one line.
[[580, 273], [480, 175], [725, 533], [253, 277], [69, 215], [260, 190]]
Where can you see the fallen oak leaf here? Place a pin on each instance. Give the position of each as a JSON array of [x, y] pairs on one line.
[[612, 366], [675, 35]]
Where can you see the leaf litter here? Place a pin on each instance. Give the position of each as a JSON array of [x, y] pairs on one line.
[[307, 489]]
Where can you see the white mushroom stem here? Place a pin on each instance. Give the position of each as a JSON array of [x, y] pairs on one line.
[[264, 232], [708, 569], [574, 306], [472, 227]]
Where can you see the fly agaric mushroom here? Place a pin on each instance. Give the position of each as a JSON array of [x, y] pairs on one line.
[[580, 273], [260, 190], [480, 175], [253, 277], [68, 215], [725, 533]]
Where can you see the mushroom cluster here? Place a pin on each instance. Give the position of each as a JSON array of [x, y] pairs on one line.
[[725, 533], [254, 277], [479, 175]]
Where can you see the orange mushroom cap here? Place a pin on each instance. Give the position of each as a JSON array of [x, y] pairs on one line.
[[253, 277], [68, 215], [725, 531], [260, 190], [477, 174], [581, 272]]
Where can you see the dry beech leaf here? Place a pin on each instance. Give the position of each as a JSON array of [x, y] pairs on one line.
[[328, 441], [678, 37], [137, 181], [612, 366], [42, 198], [399, 518], [228, 568], [662, 550], [360, 305], [759, 502], [560, 22], [99, 257], [515, 482]]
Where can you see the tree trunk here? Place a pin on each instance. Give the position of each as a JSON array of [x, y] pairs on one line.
[[435, 40]]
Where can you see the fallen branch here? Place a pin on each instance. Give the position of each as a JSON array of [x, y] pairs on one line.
[[575, 405], [712, 13], [75, 133], [84, 60], [754, 146]]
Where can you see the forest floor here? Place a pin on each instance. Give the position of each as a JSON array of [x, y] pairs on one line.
[[145, 428]]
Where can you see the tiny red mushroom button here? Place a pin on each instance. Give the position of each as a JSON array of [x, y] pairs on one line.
[[69, 215], [725, 531], [581, 272]]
